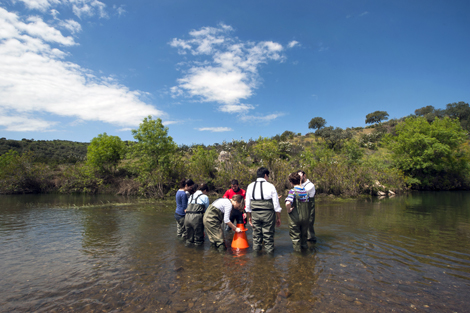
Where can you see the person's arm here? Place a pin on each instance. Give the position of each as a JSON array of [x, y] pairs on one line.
[[228, 210], [289, 206], [277, 206], [278, 221], [226, 195], [249, 219]]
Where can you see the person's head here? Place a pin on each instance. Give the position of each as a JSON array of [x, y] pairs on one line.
[[294, 178], [203, 188], [192, 189], [234, 185], [238, 202], [303, 178], [262, 172], [186, 184]]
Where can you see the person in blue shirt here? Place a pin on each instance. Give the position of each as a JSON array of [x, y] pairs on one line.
[[197, 204], [181, 204]]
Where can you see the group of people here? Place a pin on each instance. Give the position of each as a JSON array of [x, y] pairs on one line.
[[259, 206]]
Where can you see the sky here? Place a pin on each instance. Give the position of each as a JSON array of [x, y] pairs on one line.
[[221, 70]]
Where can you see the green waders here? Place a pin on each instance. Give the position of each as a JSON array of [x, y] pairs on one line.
[[180, 230], [299, 223], [311, 230], [213, 219], [263, 218], [193, 223]]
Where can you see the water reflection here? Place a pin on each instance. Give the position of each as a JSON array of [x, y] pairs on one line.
[[401, 254]]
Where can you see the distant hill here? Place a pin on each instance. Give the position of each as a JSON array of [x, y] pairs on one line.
[[47, 151]]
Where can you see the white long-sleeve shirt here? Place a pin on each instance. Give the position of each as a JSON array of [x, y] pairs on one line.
[[310, 187], [225, 206], [269, 192]]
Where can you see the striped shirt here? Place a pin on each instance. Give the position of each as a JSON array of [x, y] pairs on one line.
[[303, 196]]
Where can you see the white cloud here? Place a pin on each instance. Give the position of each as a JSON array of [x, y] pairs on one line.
[[363, 14], [215, 129], [236, 108], [80, 7], [41, 5], [71, 25], [228, 72], [292, 44], [23, 123], [35, 79], [260, 118], [119, 9]]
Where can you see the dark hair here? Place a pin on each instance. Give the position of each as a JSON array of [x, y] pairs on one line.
[[261, 172], [234, 182], [294, 178], [186, 182], [203, 187]]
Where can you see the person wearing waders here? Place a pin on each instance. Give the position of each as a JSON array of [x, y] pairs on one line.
[[263, 209], [218, 212], [310, 188], [197, 204], [298, 210], [181, 204]]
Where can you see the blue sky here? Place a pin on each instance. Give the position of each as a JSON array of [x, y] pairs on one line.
[[223, 70]]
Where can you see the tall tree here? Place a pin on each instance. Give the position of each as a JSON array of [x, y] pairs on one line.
[[376, 117], [154, 147], [317, 123]]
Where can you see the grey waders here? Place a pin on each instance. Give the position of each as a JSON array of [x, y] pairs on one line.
[[311, 230], [193, 222], [299, 223], [213, 219], [263, 218]]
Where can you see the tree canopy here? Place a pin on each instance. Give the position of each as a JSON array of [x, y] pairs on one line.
[[317, 123], [376, 117], [105, 152], [427, 150]]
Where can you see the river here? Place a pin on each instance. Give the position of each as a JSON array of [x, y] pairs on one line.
[[408, 253]]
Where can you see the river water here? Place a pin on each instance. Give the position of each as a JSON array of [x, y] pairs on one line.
[[109, 254]]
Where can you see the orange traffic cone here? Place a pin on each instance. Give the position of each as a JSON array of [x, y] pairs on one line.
[[239, 239]]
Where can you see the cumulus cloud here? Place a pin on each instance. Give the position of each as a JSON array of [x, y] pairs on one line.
[[215, 129], [36, 79], [228, 71]]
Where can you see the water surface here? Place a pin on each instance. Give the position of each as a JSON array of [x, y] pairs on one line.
[[112, 254]]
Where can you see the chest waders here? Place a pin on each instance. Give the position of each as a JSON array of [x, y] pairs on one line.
[[213, 219], [311, 230], [193, 222], [263, 218], [299, 222]]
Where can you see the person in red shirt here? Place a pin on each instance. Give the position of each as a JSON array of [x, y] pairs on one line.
[[236, 190]]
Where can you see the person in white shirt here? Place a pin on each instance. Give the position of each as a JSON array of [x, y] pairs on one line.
[[218, 212], [263, 209], [198, 202], [310, 187]]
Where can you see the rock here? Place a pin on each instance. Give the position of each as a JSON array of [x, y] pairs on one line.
[[224, 156], [391, 193], [381, 193]]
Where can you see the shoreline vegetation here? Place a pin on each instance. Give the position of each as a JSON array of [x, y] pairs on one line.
[[428, 150]]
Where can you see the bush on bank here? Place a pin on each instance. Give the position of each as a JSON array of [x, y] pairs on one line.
[[389, 158]]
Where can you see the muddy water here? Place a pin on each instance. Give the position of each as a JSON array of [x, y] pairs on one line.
[[108, 254]]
